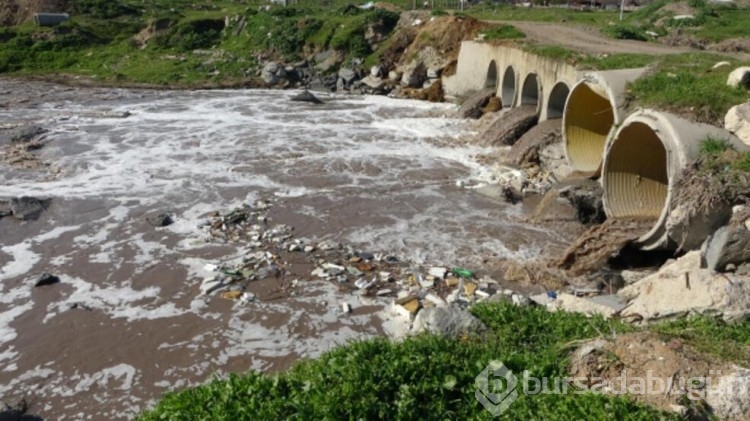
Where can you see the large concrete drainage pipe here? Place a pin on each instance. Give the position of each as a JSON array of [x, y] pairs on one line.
[[595, 105], [531, 91], [508, 88], [643, 162]]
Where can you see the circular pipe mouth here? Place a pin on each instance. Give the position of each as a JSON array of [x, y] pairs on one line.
[[531, 90], [557, 99], [491, 81], [636, 179], [509, 87], [587, 120]]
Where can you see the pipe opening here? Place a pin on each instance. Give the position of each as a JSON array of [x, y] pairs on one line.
[[557, 98], [635, 179], [587, 120], [491, 81], [530, 90], [509, 87]]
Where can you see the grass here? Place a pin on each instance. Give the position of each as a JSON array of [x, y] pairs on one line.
[[503, 32], [686, 83], [729, 342], [431, 377]]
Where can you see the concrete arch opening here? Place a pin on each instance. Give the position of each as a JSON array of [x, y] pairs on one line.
[[491, 81], [587, 120], [557, 99], [531, 90], [508, 93]]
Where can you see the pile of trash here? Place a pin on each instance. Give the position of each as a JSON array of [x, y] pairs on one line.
[[268, 248]]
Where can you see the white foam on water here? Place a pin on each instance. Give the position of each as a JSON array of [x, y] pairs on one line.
[[23, 260], [116, 301]]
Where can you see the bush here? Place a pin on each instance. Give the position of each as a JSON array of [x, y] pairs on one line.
[[625, 32], [503, 32], [193, 35]]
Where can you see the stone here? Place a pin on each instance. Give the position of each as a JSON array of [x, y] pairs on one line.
[[450, 321], [306, 96], [470, 288], [683, 17], [728, 397], [46, 279], [376, 71], [26, 134], [435, 299], [737, 121], [728, 245], [472, 106], [28, 208], [541, 299], [585, 196], [516, 272], [571, 303], [739, 78], [160, 220], [347, 75], [273, 73], [373, 82], [633, 276], [395, 75], [414, 76], [682, 287]]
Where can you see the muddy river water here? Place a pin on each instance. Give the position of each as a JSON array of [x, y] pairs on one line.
[[127, 322]]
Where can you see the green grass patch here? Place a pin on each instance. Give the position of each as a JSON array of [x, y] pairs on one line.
[[615, 61], [686, 83], [426, 377], [729, 342], [503, 32]]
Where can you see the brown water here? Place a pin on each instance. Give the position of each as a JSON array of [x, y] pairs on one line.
[[127, 322]]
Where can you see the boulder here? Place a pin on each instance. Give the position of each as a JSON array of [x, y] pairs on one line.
[[347, 75], [451, 321], [306, 96], [395, 75], [376, 71], [414, 76], [737, 121], [728, 245], [571, 303], [26, 133], [27, 208], [682, 287], [728, 397], [273, 73], [373, 82], [472, 106], [585, 196], [739, 78]]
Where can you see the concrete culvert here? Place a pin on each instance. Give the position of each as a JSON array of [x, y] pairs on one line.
[[556, 102], [594, 106], [530, 91], [508, 93], [643, 162], [491, 81]]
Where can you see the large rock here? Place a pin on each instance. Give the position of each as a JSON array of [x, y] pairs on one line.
[[451, 321], [573, 304], [737, 121], [472, 106], [28, 208], [414, 76], [683, 287], [347, 75], [728, 245], [273, 73], [306, 96], [728, 397], [373, 82], [739, 77]]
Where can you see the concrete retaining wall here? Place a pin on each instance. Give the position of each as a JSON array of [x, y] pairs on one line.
[[521, 78]]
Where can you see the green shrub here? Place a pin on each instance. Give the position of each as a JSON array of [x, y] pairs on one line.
[[203, 33], [712, 147], [625, 32], [503, 32]]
